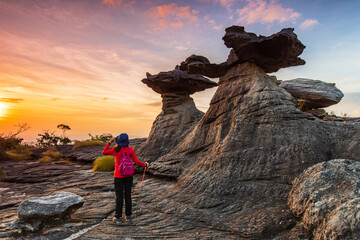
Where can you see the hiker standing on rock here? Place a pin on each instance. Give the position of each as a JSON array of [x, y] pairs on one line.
[[123, 174]]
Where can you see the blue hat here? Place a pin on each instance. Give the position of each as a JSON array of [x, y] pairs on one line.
[[122, 140]]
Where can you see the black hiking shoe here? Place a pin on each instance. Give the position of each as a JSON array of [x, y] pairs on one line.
[[128, 219], [118, 220]]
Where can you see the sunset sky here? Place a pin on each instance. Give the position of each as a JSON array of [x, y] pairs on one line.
[[80, 62]]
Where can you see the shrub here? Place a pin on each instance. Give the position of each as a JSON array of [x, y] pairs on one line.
[[45, 159], [104, 164], [105, 137], [87, 143], [52, 154], [18, 155], [2, 171]]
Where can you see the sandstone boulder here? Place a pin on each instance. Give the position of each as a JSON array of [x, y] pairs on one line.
[[35, 213], [179, 114], [327, 198], [270, 53], [313, 93]]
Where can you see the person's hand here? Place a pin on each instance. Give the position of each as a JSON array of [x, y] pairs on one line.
[[147, 164], [112, 140]]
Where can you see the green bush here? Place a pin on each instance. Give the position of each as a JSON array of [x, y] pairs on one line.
[[104, 164], [88, 143], [105, 137]]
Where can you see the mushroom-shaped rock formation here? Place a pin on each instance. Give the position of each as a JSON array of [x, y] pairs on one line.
[[179, 114], [313, 93], [235, 168], [269, 53]]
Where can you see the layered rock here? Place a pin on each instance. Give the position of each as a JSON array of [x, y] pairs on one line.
[[269, 53], [179, 114], [235, 168], [327, 198], [34, 213], [313, 93]]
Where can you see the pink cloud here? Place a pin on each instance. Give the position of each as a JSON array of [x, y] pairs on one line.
[[112, 3], [309, 23], [265, 12], [172, 15]]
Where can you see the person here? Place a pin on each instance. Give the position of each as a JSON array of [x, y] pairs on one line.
[[122, 183]]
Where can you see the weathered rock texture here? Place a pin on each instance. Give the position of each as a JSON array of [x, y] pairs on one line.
[[34, 213], [196, 64], [327, 198], [313, 93], [179, 114], [270, 53], [235, 168]]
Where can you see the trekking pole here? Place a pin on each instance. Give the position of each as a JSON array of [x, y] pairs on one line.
[[139, 198]]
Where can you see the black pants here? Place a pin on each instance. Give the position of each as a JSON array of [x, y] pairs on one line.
[[122, 184]]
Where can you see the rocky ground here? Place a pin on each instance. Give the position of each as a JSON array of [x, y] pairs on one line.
[[29, 178]]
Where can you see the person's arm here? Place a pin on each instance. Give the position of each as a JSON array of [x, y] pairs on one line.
[[108, 151], [136, 161]]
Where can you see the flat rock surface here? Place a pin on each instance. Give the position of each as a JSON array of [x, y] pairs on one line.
[[93, 220]]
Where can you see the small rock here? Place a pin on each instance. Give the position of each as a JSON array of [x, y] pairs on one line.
[[34, 213]]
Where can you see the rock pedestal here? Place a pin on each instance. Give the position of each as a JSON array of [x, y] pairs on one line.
[[179, 114], [35, 213]]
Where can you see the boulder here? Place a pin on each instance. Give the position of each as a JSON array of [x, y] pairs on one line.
[[179, 114], [271, 53], [35, 213], [327, 199], [313, 94]]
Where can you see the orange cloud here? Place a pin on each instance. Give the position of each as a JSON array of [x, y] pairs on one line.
[[265, 12], [309, 23], [172, 15], [11, 100], [112, 3]]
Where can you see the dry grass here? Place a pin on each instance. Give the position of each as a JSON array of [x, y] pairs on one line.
[[88, 143], [52, 154], [14, 154], [45, 159], [104, 164]]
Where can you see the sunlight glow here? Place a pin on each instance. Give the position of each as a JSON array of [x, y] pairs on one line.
[[2, 110]]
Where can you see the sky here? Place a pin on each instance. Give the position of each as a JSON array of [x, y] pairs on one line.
[[81, 62]]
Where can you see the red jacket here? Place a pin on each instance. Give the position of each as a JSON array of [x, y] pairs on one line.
[[118, 156]]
